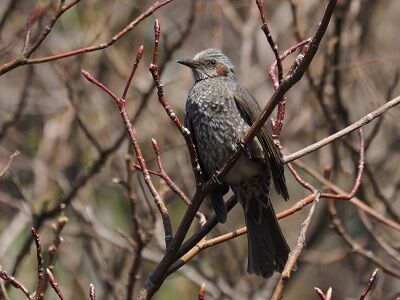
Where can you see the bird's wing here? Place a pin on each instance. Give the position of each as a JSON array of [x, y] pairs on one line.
[[217, 195], [250, 109]]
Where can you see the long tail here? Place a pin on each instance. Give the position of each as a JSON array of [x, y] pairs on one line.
[[267, 247]]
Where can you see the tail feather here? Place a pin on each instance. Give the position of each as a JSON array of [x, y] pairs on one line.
[[217, 201], [267, 247], [219, 206]]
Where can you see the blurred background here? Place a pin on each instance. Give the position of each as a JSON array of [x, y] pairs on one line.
[[73, 148]]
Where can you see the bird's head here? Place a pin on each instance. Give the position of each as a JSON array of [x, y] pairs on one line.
[[209, 63]]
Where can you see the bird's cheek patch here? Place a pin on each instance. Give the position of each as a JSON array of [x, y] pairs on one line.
[[222, 70]]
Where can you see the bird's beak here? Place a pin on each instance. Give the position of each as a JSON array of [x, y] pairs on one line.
[[188, 62]]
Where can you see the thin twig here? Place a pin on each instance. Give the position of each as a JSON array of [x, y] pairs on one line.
[[270, 39], [378, 237], [15, 283], [278, 62], [92, 292], [7, 167], [379, 194], [4, 290], [371, 282], [133, 71], [295, 23], [292, 49], [54, 284], [28, 80], [295, 253], [389, 95], [327, 296], [360, 123], [355, 246], [170, 112], [172, 185], [40, 269], [140, 237], [57, 227], [202, 292]]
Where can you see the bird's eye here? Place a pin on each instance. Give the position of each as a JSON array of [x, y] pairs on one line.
[[213, 62]]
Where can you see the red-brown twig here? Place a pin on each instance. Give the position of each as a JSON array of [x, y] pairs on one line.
[[171, 184], [355, 201], [276, 80], [15, 283], [322, 296], [202, 292], [328, 294], [271, 71], [54, 284], [278, 62], [133, 71], [132, 137], [371, 282], [300, 180], [170, 112], [40, 270], [92, 292], [24, 59], [270, 39], [342, 195]]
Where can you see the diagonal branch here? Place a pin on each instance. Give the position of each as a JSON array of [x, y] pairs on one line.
[[171, 184], [361, 122], [15, 283], [356, 247], [7, 167]]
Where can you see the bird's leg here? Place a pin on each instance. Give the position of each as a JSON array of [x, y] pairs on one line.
[[240, 146]]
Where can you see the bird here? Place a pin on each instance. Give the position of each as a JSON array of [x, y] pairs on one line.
[[219, 112]]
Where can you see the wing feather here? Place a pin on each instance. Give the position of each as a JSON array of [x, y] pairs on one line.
[[250, 109]]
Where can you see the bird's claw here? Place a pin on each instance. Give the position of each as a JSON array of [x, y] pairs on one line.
[[240, 144], [215, 178]]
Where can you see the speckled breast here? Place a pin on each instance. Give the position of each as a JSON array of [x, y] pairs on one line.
[[216, 120]]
